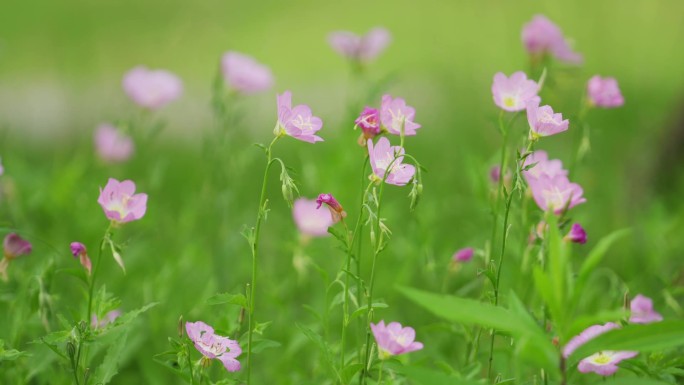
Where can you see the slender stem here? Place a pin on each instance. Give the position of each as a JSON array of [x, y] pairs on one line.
[[192, 373], [91, 287], [255, 251], [382, 363]]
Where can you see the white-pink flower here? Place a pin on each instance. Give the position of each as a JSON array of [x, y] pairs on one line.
[[603, 363], [310, 220], [642, 311], [543, 121], [120, 202], [555, 193], [394, 113], [112, 145], [244, 74], [542, 36], [604, 92], [382, 158], [298, 122], [362, 48], [514, 92], [540, 164], [214, 346], [152, 89], [394, 339]]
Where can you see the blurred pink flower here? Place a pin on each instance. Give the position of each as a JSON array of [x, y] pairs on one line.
[[152, 89], [543, 121], [541, 36], [120, 202], [464, 255], [604, 92], [393, 340], [309, 220], [541, 165], [2, 169], [361, 48], [336, 209], [555, 193], [642, 311], [513, 93], [382, 156], [577, 234], [394, 113], [369, 121], [214, 346], [111, 144], [79, 251], [108, 318], [244, 74], [603, 363], [13, 247], [297, 122]]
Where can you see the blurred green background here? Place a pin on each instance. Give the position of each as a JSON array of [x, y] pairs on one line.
[[61, 64]]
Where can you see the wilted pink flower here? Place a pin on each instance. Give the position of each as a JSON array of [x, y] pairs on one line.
[[542, 120], [513, 93], [382, 155], [577, 234], [555, 193], [604, 92], [244, 74], [642, 311], [361, 48], [79, 251], [120, 202], [13, 247], [464, 255], [603, 363], [152, 88], [369, 121], [335, 207], [394, 113], [297, 122], [541, 165], [309, 220], [108, 318], [393, 340], [111, 144], [542, 36], [213, 346]]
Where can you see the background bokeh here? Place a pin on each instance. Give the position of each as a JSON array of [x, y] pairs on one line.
[[61, 64]]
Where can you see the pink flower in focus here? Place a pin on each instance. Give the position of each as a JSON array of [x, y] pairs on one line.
[[361, 48], [576, 234], [393, 340], [245, 74], [604, 92], [334, 206], [394, 113], [112, 145], [464, 255], [513, 93], [79, 251], [542, 120], [642, 311], [108, 318], [541, 165], [555, 193], [309, 220], [152, 89], [382, 155], [603, 363], [541, 36], [120, 202], [369, 121], [297, 122], [213, 346]]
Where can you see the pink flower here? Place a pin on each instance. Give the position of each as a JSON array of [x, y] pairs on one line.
[[394, 113], [542, 120], [642, 311], [541, 165], [369, 121], [464, 255], [79, 251], [297, 122], [541, 36], [214, 346], [108, 318], [334, 206], [393, 340], [555, 193], [120, 202], [2, 169], [309, 220], [13, 247], [512, 94], [604, 92], [112, 145], [576, 234], [382, 159], [361, 48], [244, 74], [603, 363], [152, 89]]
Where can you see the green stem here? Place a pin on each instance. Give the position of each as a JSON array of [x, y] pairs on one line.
[[382, 363], [91, 287]]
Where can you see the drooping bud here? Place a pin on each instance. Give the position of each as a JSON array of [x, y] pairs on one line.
[[79, 251], [576, 234], [336, 209]]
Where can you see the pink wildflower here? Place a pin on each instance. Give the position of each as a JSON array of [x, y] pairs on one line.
[[543, 121], [309, 220], [120, 202], [555, 193], [79, 251], [541, 36], [514, 92], [464, 255], [540, 164], [2, 169], [297, 122], [604, 92], [369, 121], [360, 48], [152, 89], [576, 234], [214, 346], [603, 363], [642, 311], [393, 340], [382, 159], [244, 74], [334, 206], [13, 247], [112, 145], [394, 113], [108, 319]]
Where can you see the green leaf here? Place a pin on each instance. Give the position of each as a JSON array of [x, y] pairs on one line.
[[110, 364], [349, 371], [340, 236], [320, 343], [364, 309], [229, 299], [636, 381], [11, 354], [264, 344], [425, 376]]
